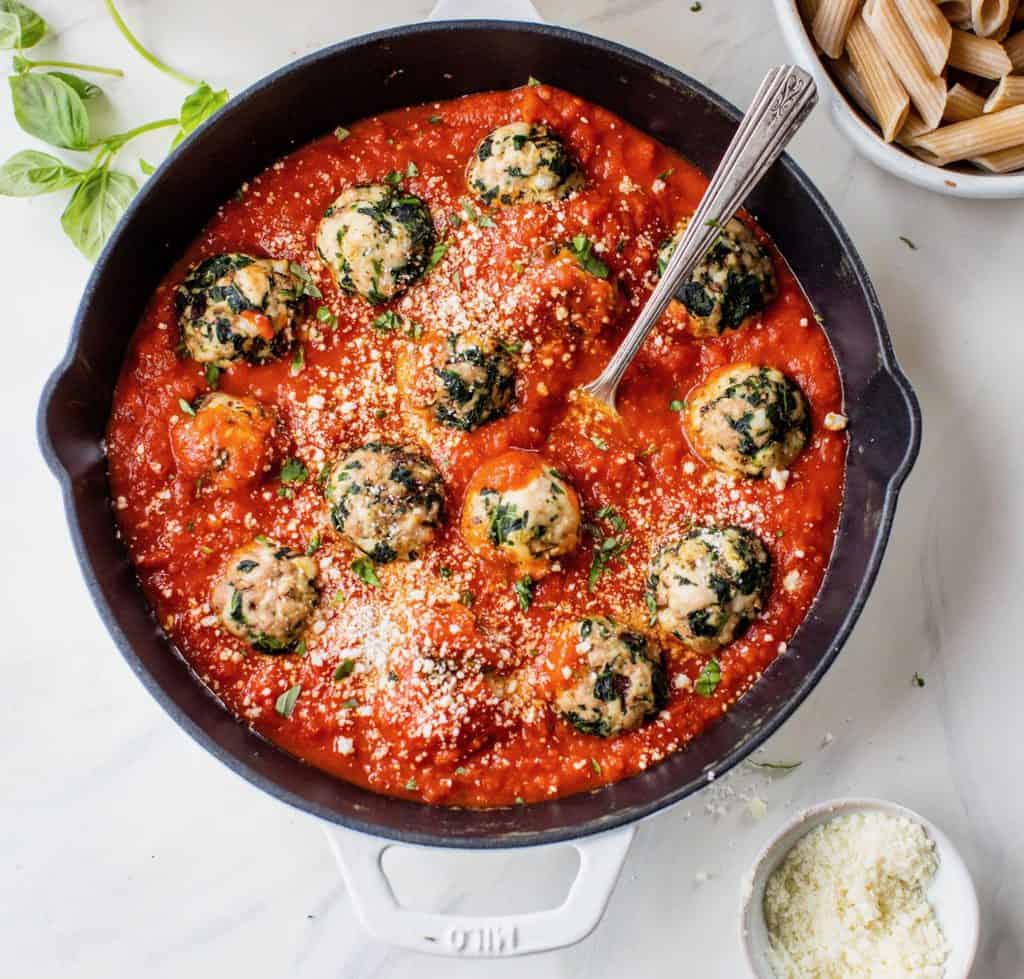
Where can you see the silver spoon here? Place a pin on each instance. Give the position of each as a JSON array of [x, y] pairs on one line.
[[779, 108]]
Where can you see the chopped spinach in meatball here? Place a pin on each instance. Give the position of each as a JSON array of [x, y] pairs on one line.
[[612, 679], [265, 595], [386, 500], [235, 307], [525, 163], [377, 240], [475, 384], [736, 280], [707, 587], [528, 519], [747, 420]]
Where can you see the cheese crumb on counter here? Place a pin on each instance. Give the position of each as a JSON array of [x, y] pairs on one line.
[[848, 902]]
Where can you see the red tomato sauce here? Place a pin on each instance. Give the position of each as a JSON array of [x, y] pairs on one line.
[[510, 272]]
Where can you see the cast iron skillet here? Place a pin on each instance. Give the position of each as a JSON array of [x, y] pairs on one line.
[[406, 66]]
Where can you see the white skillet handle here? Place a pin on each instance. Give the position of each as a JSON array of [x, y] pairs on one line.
[[487, 937], [485, 10]]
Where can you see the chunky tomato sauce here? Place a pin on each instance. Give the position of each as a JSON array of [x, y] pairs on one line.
[[369, 722]]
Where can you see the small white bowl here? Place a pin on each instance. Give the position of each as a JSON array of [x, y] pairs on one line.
[[865, 136], [951, 892]]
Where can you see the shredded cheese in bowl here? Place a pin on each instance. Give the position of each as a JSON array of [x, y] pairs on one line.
[[849, 902]]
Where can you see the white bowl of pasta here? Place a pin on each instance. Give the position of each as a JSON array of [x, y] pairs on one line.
[[932, 92]]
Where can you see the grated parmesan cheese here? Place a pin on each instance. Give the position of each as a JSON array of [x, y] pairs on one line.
[[848, 902]]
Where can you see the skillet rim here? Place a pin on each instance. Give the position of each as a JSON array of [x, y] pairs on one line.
[[565, 832]]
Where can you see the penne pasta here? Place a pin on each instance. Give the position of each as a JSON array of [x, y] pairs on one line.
[[849, 81], [988, 16], [831, 24], [962, 104], [1009, 92], [975, 137], [956, 11], [930, 29], [926, 90], [979, 56], [888, 98], [1014, 48], [1005, 161], [808, 8], [914, 126]]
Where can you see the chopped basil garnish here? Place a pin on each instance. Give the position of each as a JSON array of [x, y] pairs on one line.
[[186, 407], [710, 677], [582, 249], [524, 592], [286, 702], [365, 571], [344, 669]]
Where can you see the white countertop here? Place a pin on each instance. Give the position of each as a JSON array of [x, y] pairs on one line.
[[127, 850]]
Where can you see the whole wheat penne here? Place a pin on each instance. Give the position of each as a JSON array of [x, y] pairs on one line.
[[914, 126], [979, 56], [1005, 161], [849, 81], [1007, 25], [930, 29], [926, 91], [808, 8], [1009, 92], [956, 11], [987, 16], [888, 98], [1014, 48], [975, 137], [961, 104], [831, 23]]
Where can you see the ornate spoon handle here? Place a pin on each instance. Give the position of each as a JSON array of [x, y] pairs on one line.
[[779, 108]]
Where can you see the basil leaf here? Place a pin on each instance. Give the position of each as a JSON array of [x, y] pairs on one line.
[[146, 167], [20, 27], [197, 108], [50, 109], [285, 704], [709, 678], [30, 172], [95, 208], [84, 89]]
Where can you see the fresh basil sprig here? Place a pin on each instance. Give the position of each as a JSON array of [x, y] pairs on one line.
[[52, 106], [20, 27]]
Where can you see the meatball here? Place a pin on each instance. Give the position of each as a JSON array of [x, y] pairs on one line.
[[228, 443], [266, 595], [707, 587], [524, 163], [746, 420], [736, 280], [386, 500], [611, 680], [377, 240], [235, 307], [522, 509], [475, 384]]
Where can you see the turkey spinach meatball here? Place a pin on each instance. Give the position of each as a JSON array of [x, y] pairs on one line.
[[227, 442], [609, 679], [235, 307], [377, 240], [521, 509], [386, 500], [266, 595], [736, 280], [706, 588], [747, 420], [474, 385], [522, 163]]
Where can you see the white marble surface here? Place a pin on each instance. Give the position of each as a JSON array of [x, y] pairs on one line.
[[126, 850]]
